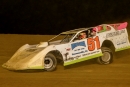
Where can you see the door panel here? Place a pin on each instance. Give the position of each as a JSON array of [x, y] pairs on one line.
[[80, 49]]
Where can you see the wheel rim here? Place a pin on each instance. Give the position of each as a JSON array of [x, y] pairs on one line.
[[48, 63], [106, 57]]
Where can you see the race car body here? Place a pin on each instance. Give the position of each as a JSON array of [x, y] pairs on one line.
[[99, 42]]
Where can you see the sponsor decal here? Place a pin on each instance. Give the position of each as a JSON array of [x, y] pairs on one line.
[[90, 53], [93, 43], [68, 49], [73, 58], [82, 59], [123, 41], [80, 52], [80, 47], [78, 56], [112, 34], [66, 54], [74, 45]]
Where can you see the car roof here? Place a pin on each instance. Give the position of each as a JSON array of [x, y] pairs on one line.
[[75, 31], [80, 29]]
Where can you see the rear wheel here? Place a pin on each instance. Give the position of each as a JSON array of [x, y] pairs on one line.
[[50, 62], [107, 57]]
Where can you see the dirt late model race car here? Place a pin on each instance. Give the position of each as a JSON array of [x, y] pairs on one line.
[[71, 47]]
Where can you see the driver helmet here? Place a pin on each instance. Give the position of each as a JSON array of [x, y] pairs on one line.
[[82, 35]]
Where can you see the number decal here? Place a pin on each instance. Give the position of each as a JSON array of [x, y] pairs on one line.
[[91, 43], [97, 42]]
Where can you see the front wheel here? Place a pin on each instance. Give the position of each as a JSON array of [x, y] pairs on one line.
[[50, 62], [107, 57]]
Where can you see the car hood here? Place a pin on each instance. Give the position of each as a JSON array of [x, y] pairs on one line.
[[21, 59]]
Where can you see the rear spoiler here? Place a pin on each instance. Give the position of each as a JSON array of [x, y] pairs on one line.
[[119, 26]]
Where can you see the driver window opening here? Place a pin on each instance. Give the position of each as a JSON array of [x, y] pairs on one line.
[[81, 35], [91, 32], [85, 34]]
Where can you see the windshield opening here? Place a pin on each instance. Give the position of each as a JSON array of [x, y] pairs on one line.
[[67, 38], [62, 38]]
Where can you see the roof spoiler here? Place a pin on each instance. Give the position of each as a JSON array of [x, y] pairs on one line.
[[117, 26], [122, 25]]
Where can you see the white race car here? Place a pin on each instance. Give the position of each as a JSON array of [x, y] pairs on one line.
[[71, 47]]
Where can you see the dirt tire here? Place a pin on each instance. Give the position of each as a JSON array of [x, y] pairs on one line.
[[107, 57], [50, 62]]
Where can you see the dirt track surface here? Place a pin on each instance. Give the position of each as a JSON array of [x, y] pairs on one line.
[[84, 74]]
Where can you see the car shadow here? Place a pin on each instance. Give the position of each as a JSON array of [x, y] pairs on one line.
[[83, 63], [29, 71], [122, 54]]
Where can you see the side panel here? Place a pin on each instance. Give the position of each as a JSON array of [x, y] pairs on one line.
[[119, 38], [89, 48], [64, 49], [116, 33], [84, 50], [80, 50]]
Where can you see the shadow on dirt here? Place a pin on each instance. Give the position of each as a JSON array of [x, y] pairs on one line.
[[122, 54], [83, 63], [28, 71]]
